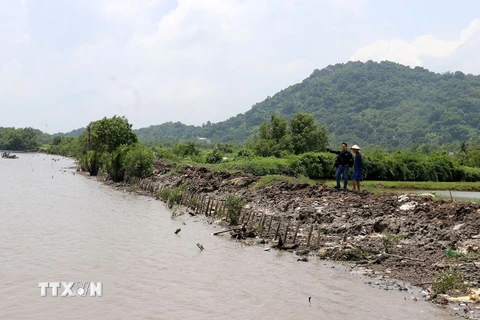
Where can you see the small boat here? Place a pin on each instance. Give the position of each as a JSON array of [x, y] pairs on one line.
[[6, 155]]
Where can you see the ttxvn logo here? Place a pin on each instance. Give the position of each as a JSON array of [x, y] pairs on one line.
[[71, 289]]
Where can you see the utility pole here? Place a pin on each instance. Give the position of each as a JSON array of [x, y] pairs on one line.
[[88, 136], [46, 126]]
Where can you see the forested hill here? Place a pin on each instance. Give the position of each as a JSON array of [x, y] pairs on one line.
[[73, 133], [384, 104]]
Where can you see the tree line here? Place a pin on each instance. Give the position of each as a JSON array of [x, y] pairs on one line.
[[21, 139], [294, 148]]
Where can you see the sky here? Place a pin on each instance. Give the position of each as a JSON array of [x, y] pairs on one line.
[[64, 63]]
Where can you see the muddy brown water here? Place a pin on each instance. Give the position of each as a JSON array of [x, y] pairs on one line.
[[57, 226]]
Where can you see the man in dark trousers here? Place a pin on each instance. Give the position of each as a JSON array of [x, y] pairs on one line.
[[343, 163]]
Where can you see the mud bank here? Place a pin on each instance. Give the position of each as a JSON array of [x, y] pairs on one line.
[[411, 237]]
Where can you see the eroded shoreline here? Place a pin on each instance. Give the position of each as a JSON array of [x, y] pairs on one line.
[[394, 237]]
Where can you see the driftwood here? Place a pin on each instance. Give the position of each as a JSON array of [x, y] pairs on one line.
[[220, 232], [7, 155]]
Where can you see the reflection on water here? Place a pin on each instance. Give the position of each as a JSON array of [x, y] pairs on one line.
[[57, 226]]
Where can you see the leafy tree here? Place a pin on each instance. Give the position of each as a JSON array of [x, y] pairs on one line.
[[306, 135], [57, 140], [107, 134], [19, 139], [273, 138], [65, 146], [101, 143]]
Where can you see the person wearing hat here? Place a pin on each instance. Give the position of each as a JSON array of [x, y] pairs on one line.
[[343, 163], [357, 168]]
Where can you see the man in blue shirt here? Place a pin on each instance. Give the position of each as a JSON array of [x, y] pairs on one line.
[[357, 168]]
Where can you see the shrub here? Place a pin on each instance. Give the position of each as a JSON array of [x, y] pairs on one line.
[[139, 162], [467, 174], [114, 163], [234, 205], [165, 153], [225, 147], [186, 149], [448, 280], [245, 153], [172, 196], [91, 162], [214, 157], [313, 165]]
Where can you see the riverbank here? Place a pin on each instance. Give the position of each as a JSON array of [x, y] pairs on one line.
[[407, 237]]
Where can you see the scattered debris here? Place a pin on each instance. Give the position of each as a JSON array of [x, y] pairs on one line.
[[6, 155], [200, 246], [408, 206]]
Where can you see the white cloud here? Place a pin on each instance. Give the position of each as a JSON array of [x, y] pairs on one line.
[[414, 52], [125, 9], [349, 5]]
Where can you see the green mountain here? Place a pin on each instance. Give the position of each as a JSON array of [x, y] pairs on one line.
[[382, 104], [73, 133]]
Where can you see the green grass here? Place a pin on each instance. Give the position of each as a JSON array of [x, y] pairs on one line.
[[427, 185], [379, 186]]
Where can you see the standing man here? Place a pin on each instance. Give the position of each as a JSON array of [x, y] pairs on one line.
[[343, 163], [357, 168]]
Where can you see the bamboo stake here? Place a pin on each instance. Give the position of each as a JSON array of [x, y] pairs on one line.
[[296, 231], [309, 235], [201, 204], [248, 219], [286, 232], [262, 221], [318, 236], [278, 229], [242, 216], [270, 224], [211, 207], [224, 213], [216, 209], [208, 206], [197, 203]]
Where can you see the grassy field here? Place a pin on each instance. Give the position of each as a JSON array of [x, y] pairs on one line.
[[414, 185]]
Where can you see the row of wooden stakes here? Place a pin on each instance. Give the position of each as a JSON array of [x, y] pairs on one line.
[[266, 225]]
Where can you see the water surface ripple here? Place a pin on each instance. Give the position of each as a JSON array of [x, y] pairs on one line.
[[57, 226]]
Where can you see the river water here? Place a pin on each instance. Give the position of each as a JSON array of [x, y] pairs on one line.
[[57, 226]]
